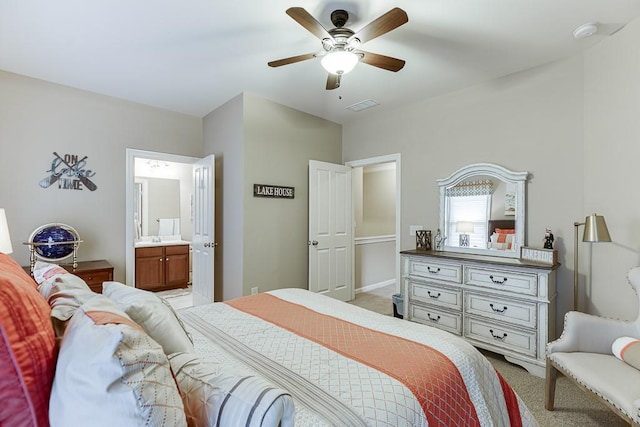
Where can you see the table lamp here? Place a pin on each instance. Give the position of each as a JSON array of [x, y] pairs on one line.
[[595, 230], [5, 240], [464, 227]]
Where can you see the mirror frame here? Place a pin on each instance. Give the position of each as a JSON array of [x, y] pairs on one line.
[[505, 175]]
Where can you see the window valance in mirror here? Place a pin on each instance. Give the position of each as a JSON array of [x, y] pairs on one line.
[[471, 188]]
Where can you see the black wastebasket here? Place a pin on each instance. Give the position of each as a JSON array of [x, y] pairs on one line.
[[398, 306]]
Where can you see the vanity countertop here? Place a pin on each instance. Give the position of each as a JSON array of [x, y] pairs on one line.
[[149, 243]]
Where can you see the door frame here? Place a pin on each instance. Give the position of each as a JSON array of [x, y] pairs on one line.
[[131, 155], [390, 158]]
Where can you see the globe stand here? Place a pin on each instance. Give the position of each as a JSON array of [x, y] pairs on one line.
[[32, 251], [53, 243]]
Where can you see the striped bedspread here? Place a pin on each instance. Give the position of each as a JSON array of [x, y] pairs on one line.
[[347, 366]]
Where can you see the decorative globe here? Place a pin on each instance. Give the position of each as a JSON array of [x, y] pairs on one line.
[[54, 233]]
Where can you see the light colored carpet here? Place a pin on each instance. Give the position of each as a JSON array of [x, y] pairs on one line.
[[573, 407]]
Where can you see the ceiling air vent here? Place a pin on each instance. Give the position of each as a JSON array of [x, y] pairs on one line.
[[363, 105]]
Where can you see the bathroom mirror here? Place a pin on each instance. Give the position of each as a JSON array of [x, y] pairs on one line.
[[156, 199], [482, 210]]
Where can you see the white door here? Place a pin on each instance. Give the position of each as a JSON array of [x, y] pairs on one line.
[[203, 244], [330, 230]]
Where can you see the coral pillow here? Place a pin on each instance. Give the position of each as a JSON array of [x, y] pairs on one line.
[[505, 231], [27, 349]]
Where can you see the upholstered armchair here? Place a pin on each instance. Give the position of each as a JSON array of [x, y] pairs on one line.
[[583, 353]]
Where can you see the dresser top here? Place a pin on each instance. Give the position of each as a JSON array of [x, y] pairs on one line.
[[510, 262]]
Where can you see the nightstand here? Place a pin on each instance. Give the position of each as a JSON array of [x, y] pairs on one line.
[[92, 272]]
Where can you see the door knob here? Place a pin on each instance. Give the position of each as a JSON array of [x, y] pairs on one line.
[[314, 243], [210, 245]]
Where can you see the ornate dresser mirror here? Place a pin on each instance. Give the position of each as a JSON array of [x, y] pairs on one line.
[[482, 211]]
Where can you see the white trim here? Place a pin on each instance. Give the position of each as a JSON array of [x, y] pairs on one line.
[[131, 154], [374, 239], [386, 159], [375, 286]]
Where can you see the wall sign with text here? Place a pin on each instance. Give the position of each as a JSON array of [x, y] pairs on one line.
[[275, 191], [69, 172]]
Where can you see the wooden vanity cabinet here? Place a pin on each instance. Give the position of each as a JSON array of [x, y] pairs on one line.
[[159, 268]]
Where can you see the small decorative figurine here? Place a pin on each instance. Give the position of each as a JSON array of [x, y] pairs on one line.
[[548, 239]]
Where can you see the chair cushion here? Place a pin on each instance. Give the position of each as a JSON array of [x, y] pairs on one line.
[[605, 375], [27, 349]]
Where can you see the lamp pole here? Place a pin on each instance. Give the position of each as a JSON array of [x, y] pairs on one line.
[[575, 265]]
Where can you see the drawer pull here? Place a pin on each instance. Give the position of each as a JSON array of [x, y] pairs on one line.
[[434, 271], [434, 296], [498, 282], [497, 310], [433, 319], [498, 337]]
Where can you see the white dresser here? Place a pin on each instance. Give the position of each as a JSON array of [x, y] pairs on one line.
[[504, 305]]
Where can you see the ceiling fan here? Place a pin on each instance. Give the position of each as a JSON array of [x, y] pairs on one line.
[[340, 45]]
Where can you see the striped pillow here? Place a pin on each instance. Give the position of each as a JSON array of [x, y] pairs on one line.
[[213, 396], [627, 349]]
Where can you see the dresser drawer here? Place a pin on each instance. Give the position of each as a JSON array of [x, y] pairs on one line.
[[433, 294], [432, 316], [501, 335], [521, 313], [436, 270], [504, 280]]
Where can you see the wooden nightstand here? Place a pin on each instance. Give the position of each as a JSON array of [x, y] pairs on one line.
[[92, 272]]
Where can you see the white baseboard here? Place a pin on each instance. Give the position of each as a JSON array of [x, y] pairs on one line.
[[376, 286]]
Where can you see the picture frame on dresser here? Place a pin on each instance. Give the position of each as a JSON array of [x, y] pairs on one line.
[[541, 255]]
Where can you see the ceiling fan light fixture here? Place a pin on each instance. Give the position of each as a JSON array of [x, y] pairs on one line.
[[339, 61]]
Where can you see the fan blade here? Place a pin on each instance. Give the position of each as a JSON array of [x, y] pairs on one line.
[[305, 19], [333, 81], [381, 61], [387, 22], [291, 60]]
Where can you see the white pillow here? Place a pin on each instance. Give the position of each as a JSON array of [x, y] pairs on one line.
[[213, 395], [154, 314], [64, 292], [110, 373]]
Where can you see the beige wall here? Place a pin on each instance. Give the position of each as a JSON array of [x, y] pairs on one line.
[[38, 118], [375, 264], [611, 154], [573, 125], [256, 141], [223, 137], [279, 142], [531, 121], [375, 197]]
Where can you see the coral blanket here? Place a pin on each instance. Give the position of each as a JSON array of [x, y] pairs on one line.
[[430, 375]]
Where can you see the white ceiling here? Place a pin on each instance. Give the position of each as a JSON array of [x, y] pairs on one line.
[[192, 56]]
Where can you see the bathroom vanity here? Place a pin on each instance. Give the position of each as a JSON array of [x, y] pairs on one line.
[[162, 265]]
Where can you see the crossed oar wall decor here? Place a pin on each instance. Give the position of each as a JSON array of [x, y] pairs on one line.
[[71, 177]]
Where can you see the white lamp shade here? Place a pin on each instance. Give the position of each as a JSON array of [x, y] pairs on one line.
[[464, 227], [5, 240], [339, 62]]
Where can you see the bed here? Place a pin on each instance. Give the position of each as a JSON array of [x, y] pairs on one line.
[[501, 234], [324, 362]]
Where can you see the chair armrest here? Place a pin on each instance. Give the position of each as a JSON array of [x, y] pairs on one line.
[[591, 334]]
